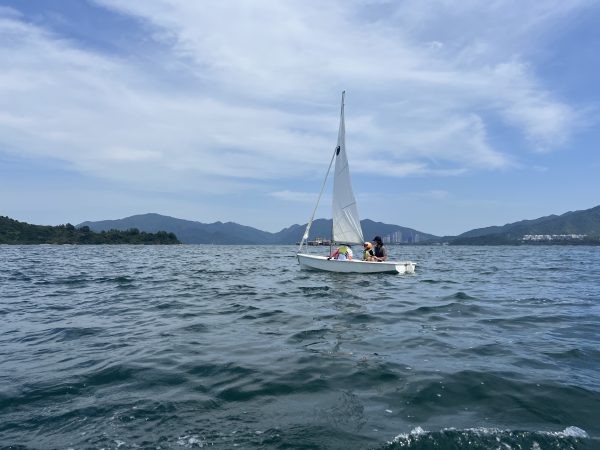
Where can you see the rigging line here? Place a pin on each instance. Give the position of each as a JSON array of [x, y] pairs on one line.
[[305, 236]]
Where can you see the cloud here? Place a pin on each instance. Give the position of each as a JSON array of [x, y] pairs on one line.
[[430, 195], [435, 45], [545, 122], [248, 93], [103, 116], [290, 49], [301, 197]]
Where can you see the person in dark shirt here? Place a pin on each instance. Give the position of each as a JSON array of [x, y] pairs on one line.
[[380, 251]]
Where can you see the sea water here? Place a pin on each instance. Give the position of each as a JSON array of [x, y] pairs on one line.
[[235, 347]]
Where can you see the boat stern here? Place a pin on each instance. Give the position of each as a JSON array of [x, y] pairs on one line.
[[406, 267]]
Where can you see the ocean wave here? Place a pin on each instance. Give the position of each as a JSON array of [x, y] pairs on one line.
[[571, 438]]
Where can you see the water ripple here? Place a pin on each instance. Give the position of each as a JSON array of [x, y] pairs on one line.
[[169, 347]]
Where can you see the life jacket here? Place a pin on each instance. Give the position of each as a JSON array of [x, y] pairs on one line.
[[368, 254], [343, 250]]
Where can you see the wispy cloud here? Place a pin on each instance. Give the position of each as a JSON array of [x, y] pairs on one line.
[[249, 94], [540, 168], [301, 197], [435, 194]]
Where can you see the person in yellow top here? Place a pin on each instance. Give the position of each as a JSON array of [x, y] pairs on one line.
[[368, 253], [343, 253]]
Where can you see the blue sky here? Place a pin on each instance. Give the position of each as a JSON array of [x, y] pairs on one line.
[[458, 114]]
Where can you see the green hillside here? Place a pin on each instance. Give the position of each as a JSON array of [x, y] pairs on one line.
[[190, 232], [583, 223], [15, 232]]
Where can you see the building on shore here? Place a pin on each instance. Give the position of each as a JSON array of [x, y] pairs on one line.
[[553, 237], [398, 238], [319, 241]]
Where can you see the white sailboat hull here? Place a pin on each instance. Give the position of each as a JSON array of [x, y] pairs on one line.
[[314, 262]]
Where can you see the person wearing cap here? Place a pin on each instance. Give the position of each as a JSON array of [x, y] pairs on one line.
[[368, 253], [380, 251]]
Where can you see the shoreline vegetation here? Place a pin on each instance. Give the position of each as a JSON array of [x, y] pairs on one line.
[[582, 228], [22, 233]]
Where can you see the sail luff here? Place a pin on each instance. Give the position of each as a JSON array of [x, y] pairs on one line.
[[346, 221]]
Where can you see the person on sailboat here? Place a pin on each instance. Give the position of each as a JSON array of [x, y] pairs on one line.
[[342, 254], [380, 251], [368, 253]]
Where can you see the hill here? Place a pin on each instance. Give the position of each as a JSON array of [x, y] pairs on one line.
[[583, 223], [190, 232], [15, 232], [322, 228]]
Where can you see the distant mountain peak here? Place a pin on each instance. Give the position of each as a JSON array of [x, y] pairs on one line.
[[192, 232]]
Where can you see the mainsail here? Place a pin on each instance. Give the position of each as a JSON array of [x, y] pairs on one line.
[[346, 223]]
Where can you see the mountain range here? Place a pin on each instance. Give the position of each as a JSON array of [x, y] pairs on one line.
[[585, 223], [190, 232]]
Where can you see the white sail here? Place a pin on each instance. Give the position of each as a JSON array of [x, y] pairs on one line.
[[346, 223]]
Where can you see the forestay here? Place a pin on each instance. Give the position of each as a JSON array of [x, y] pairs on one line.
[[346, 222]]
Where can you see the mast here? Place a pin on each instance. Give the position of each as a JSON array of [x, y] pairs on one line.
[[346, 221], [342, 130]]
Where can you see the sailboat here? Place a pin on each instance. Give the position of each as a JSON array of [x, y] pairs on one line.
[[346, 223]]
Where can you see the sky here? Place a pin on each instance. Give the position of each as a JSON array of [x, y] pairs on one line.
[[459, 115]]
